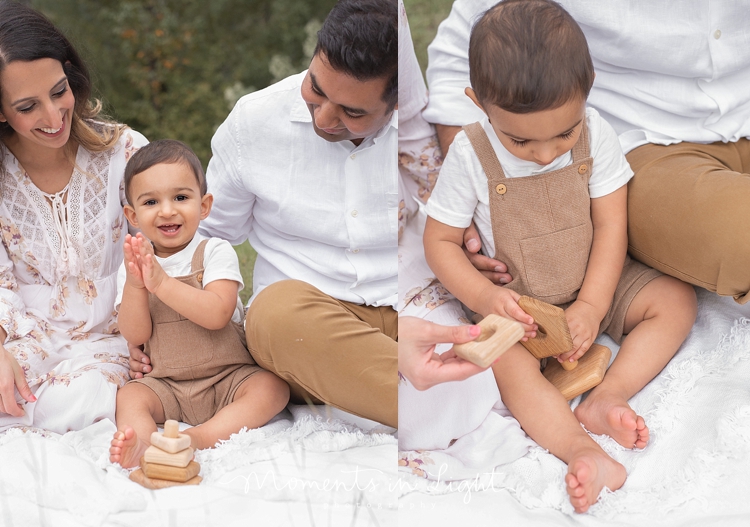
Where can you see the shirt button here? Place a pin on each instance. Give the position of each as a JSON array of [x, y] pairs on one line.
[[355, 155], [354, 213], [583, 169], [717, 34], [501, 189], [355, 251]]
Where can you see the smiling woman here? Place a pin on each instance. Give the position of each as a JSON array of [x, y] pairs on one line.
[[62, 222]]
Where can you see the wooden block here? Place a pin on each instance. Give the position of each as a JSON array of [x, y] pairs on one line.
[[142, 479], [170, 444], [178, 459], [498, 335], [589, 373], [171, 428], [181, 475], [553, 336]]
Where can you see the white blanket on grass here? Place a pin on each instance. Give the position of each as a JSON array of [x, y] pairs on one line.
[[695, 470], [303, 468]]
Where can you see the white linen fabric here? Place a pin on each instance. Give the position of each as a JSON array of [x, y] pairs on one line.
[[318, 211], [692, 472], [311, 465], [462, 195], [219, 261], [58, 282], [665, 72]]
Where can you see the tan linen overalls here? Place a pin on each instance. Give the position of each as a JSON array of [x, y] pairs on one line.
[[542, 229], [196, 371]]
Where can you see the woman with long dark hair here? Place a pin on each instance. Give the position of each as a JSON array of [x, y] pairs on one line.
[[61, 221]]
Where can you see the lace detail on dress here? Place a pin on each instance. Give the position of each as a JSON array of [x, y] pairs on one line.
[[33, 215]]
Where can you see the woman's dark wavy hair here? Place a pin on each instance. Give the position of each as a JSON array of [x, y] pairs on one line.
[[27, 35], [529, 55], [360, 38]]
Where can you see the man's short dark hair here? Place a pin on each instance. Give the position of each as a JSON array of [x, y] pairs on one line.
[[167, 152], [360, 38], [529, 55]]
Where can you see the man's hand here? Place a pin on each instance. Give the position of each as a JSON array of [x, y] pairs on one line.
[[417, 360], [139, 362], [495, 270]]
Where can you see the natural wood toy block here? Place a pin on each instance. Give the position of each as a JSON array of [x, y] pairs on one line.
[[178, 459], [553, 336], [181, 475], [171, 428], [588, 374], [142, 479], [498, 335], [171, 445]]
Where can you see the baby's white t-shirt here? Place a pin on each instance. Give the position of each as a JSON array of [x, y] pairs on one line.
[[461, 193], [219, 261]]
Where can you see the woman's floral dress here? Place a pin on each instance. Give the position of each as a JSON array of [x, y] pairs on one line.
[[58, 277]]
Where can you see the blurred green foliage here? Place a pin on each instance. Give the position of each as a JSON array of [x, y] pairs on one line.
[[174, 68], [424, 18]]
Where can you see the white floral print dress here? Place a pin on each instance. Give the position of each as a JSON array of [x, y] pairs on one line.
[[58, 281]]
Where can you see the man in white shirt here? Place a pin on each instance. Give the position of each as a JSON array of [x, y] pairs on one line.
[[673, 83], [306, 170]]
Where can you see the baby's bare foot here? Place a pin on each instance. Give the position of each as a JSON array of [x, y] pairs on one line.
[[126, 448], [610, 414], [588, 473]]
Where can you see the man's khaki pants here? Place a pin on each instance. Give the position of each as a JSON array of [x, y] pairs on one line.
[[328, 350], [689, 213]]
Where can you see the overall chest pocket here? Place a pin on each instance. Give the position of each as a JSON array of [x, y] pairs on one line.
[[555, 264], [180, 344]]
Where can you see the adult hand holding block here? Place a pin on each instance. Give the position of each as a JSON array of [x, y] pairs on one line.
[[498, 335]]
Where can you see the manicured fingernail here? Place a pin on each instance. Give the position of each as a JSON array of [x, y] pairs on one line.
[[498, 269], [474, 331], [143, 360], [472, 244]]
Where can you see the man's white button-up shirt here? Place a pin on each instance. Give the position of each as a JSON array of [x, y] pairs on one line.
[[318, 211]]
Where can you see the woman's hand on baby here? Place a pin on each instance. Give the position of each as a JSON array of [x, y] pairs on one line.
[[504, 302], [12, 376], [139, 362], [583, 322], [494, 270]]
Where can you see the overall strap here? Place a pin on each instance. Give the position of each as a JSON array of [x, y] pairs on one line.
[[581, 150], [197, 262], [484, 151]]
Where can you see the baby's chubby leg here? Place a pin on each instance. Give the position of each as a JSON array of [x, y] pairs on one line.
[[658, 321], [545, 416], [138, 409], [256, 401]]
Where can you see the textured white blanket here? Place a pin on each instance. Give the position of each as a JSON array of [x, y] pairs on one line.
[[693, 472], [303, 468]]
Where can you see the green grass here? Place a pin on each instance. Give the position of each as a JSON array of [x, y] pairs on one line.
[[424, 18], [247, 256]]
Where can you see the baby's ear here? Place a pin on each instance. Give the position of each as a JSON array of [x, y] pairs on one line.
[[130, 215], [471, 94], [207, 202]]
